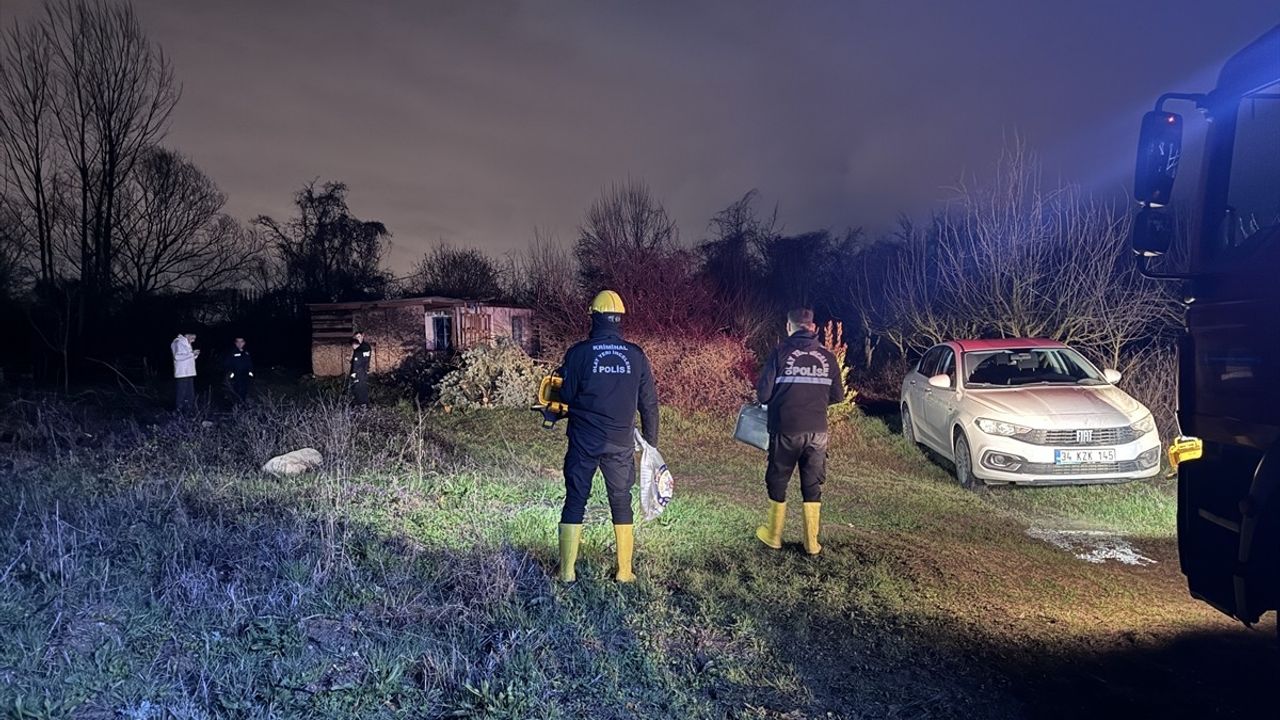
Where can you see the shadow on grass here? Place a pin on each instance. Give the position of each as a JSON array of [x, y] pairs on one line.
[[1204, 673], [858, 643], [884, 410]]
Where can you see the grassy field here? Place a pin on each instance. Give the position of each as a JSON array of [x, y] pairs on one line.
[[148, 570]]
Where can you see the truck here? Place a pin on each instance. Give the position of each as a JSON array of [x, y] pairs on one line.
[[1226, 233]]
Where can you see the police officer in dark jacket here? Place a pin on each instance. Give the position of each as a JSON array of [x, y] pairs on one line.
[[606, 380], [239, 371], [361, 355], [799, 380]]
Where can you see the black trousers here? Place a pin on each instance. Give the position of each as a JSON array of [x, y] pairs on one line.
[[360, 389], [580, 469], [185, 395], [809, 451], [239, 388]]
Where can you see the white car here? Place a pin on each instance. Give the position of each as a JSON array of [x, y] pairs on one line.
[[1030, 412]]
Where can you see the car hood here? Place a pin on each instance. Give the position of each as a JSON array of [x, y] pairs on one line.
[[1045, 405]]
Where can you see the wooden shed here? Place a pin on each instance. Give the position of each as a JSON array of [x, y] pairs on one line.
[[399, 328]]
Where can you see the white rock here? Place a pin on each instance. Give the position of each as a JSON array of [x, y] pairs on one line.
[[294, 463]]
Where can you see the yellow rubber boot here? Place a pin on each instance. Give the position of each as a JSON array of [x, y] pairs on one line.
[[625, 535], [771, 532], [812, 517], [570, 535]]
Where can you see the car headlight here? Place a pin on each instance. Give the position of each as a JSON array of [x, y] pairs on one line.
[[1002, 428], [1143, 426]]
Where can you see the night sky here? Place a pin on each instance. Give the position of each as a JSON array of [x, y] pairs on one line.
[[476, 122]]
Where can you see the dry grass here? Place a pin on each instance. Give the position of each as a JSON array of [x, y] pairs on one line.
[[149, 571]]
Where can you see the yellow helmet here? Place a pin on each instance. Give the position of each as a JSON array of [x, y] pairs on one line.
[[608, 301]]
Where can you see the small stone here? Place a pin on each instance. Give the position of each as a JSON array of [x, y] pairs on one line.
[[294, 463]]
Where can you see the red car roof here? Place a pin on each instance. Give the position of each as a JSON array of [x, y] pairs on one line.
[[1006, 344]]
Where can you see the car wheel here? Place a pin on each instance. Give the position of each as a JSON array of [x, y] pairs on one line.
[[909, 428], [964, 464]]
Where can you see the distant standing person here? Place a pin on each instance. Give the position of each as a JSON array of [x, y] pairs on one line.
[[184, 372], [240, 371], [799, 380], [361, 355]]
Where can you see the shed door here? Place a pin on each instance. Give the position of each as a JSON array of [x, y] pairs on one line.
[[519, 331], [476, 329]]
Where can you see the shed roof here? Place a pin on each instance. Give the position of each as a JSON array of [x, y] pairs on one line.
[[432, 301]]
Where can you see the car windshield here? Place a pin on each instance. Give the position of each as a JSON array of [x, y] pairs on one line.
[[1031, 366]]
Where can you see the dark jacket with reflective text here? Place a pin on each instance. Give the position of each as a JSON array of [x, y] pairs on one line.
[[239, 364], [360, 361], [798, 381], [606, 380]]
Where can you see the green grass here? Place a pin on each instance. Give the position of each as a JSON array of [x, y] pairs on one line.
[[1139, 509], [157, 574]]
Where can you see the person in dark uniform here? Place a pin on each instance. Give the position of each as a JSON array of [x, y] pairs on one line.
[[606, 380], [239, 372], [361, 355], [798, 381]]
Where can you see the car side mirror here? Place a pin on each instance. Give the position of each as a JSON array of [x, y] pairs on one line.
[[942, 382], [1112, 376], [1159, 150]]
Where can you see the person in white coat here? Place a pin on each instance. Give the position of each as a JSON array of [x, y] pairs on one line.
[[184, 371]]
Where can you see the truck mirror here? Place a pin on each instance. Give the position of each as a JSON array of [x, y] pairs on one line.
[[1159, 150], [1152, 232]]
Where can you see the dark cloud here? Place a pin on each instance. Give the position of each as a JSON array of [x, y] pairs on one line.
[[477, 121]]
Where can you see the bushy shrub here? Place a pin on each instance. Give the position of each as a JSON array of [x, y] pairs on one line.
[[500, 375], [418, 376], [707, 374]]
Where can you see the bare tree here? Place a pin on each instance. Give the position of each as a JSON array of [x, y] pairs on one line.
[[628, 243], [732, 255], [1015, 258], [872, 271], [796, 268], [12, 249], [27, 137], [733, 265], [459, 272], [624, 225], [327, 253], [115, 91], [172, 232], [545, 277]]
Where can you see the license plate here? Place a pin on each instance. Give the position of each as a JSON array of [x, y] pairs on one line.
[[1083, 457]]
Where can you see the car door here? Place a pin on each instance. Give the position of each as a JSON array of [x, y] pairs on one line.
[[917, 385], [940, 403]]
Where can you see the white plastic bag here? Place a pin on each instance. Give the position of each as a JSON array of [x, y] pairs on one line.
[[656, 483]]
